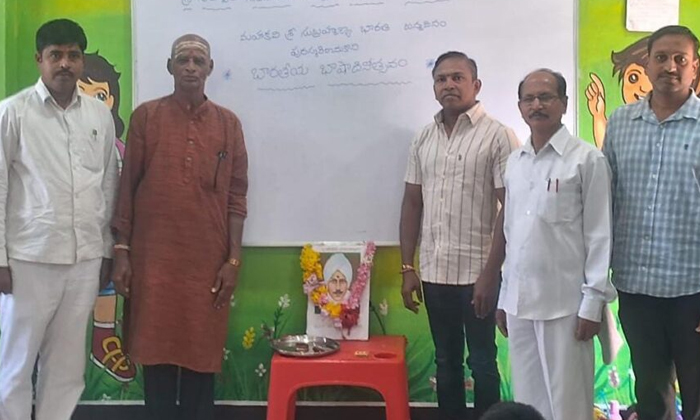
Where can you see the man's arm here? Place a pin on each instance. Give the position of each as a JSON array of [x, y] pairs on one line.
[[132, 172], [609, 152], [486, 287], [110, 180], [409, 230], [597, 236], [227, 279], [8, 141]]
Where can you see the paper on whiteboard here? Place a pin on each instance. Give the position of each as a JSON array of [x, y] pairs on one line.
[[650, 15]]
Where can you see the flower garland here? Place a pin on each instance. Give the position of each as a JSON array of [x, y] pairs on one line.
[[344, 315]]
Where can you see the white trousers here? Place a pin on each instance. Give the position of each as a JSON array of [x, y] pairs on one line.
[[46, 314], [550, 369]]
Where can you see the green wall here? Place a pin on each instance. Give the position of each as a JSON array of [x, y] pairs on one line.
[[107, 24], [3, 48]]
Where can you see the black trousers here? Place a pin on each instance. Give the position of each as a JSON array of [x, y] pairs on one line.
[[661, 335], [452, 320], [165, 385]]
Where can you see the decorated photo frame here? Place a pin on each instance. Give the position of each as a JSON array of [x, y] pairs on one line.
[[336, 277]]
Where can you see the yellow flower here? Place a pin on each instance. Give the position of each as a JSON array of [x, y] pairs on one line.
[[334, 309], [249, 338], [310, 262], [318, 293]]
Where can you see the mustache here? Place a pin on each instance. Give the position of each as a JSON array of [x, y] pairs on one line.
[[66, 72], [538, 114]]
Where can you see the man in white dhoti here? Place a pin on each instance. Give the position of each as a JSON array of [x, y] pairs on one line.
[[558, 240]]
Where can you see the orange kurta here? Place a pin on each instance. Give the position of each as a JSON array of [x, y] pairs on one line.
[[184, 172]]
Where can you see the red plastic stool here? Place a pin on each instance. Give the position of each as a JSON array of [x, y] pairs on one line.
[[378, 363]]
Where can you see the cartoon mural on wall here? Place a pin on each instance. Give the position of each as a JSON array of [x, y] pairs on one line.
[[628, 66], [101, 80]]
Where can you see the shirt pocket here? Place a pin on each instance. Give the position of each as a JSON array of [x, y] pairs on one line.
[[215, 171], [92, 150], [561, 202]]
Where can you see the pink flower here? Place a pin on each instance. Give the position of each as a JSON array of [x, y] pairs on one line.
[[311, 284]]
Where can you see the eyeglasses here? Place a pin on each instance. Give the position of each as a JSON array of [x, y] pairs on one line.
[[545, 99]]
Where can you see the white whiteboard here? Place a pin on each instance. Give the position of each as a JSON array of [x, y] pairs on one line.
[[328, 150]]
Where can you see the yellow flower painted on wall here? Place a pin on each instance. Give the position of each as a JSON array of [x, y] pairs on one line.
[[249, 338]]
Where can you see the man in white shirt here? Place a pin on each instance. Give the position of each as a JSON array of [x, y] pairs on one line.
[[558, 239], [58, 177]]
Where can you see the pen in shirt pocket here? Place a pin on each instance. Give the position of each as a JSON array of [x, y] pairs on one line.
[[94, 134]]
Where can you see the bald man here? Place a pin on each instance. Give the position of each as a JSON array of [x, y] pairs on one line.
[[179, 221]]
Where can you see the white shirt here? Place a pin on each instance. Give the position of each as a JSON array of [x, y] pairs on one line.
[[459, 176], [58, 178], [558, 231]]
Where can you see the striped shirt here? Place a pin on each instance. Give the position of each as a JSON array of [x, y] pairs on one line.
[[459, 176], [656, 199]]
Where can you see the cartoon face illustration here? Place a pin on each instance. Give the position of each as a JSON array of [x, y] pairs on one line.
[[99, 90], [635, 83], [628, 64], [100, 80]]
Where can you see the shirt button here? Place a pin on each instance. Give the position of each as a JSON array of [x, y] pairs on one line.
[[658, 144], [644, 268], [528, 212], [189, 159], [653, 176], [190, 142], [646, 237], [650, 207]]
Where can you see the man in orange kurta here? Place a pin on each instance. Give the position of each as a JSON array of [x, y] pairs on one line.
[[179, 222]]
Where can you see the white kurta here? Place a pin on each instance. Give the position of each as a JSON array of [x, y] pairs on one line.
[[58, 174], [558, 233]]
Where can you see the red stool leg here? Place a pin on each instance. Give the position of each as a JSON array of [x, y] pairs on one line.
[[393, 386], [292, 404], [281, 396]]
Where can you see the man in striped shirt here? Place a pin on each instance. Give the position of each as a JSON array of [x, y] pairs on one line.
[[454, 182], [653, 147]]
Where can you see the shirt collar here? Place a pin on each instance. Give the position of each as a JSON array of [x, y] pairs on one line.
[[184, 105], [473, 114], [689, 109], [557, 142], [45, 95]]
